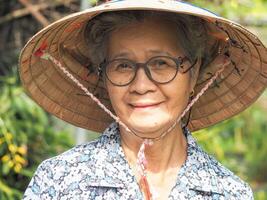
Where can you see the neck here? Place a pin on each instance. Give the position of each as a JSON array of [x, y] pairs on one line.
[[167, 153]]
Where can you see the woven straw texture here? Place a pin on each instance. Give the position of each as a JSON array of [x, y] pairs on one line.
[[239, 85]]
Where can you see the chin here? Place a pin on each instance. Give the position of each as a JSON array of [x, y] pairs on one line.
[[146, 125]]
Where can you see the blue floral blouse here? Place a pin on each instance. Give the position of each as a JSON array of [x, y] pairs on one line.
[[98, 170]]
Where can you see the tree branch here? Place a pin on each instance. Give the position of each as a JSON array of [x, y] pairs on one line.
[[25, 11]]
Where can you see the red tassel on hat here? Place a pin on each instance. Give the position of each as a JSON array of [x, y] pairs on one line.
[[41, 50]]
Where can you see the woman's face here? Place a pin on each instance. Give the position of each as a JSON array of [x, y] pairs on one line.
[[144, 106]]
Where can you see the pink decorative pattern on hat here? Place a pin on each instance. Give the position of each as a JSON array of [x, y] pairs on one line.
[[40, 51], [74, 26]]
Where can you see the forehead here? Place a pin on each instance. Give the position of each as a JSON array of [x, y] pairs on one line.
[[152, 33]]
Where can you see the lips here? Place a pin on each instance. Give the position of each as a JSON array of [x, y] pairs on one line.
[[145, 105]]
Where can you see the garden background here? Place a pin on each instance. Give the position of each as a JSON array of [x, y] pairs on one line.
[[29, 135]]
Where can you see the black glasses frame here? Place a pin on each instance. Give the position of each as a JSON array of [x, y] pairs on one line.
[[179, 61]]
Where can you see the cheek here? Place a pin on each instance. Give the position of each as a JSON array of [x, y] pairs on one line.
[[178, 102], [116, 95], [178, 94]]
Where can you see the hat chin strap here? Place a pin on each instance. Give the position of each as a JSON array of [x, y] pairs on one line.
[[189, 106], [141, 159], [44, 55]]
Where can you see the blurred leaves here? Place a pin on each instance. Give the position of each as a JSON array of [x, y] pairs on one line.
[[241, 145], [27, 137], [28, 134], [238, 10]]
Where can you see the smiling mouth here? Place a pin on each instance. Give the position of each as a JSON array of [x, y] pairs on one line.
[[142, 106]]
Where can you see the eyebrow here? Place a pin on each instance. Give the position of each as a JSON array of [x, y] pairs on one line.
[[124, 54], [160, 52]]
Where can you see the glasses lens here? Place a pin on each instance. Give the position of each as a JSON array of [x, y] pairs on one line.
[[120, 71], [162, 69]]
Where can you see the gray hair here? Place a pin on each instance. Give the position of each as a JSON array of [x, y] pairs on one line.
[[192, 33]]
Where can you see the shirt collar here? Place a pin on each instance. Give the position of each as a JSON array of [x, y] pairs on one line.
[[196, 173]]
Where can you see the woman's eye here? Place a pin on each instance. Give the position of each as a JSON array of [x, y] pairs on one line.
[[124, 66], [160, 63]]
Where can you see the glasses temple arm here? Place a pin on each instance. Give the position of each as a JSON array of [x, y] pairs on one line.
[[191, 66]]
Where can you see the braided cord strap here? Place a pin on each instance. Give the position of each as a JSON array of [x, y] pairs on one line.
[[141, 167], [141, 159], [48, 56]]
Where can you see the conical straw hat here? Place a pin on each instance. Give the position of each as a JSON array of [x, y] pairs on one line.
[[240, 84]]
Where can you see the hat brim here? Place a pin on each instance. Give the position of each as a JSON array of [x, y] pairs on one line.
[[238, 86]]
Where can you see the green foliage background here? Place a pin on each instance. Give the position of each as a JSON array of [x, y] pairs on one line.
[[241, 145], [29, 135]]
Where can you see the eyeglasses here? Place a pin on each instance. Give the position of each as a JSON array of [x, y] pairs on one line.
[[159, 69]]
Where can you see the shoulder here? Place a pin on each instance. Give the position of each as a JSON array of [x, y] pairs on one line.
[[73, 157], [74, 170], [91, 152], [77, 154], [212, 176], [60, 174], [233, 187]]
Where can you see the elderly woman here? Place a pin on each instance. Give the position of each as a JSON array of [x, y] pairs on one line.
[[148, 62]]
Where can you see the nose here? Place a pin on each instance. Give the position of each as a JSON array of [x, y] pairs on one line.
[[141, 83]]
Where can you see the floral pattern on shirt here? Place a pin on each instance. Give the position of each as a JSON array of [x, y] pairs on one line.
[[98, 170]]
